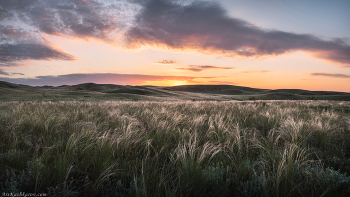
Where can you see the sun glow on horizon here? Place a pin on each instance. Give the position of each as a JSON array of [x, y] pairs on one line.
[[179, 83], [166, 83]]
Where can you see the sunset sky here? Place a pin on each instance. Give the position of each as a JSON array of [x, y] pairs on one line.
[[272, 44]]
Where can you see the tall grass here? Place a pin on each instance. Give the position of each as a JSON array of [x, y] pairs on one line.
[[270, 148]]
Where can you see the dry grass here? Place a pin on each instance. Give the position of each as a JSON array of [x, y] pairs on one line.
[[255, 148]]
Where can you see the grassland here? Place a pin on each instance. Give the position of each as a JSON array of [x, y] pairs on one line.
[[176, 148]]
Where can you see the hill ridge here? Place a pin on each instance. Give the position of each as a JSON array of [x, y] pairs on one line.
[[93, 91]]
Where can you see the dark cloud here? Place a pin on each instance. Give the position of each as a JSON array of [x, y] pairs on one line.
[[18, 45], [13, 64], [330, 75], [2, 72], [17, 73], [167, 62], [12, 55], [19, 52], [78, 18], [7, 7], [256, 71], [10, 35], [206, 27], [11, 32], [101, 78], [198, 68]]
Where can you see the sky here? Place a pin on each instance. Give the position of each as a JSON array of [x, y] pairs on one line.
[[271, 44]]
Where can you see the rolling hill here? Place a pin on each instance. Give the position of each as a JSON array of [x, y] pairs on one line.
[[92, 92]]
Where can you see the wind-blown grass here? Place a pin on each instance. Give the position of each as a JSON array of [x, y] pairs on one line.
[[270, 148]]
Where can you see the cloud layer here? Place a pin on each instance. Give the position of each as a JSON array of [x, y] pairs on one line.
[[198, 68], [206, 27], [19, 52], [100, 78], [2, 72], [18, 45], [73, 18], [78, 18], [331, 75], [167, 62]]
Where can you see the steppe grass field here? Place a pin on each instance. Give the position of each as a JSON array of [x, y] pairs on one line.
[[178, 148]]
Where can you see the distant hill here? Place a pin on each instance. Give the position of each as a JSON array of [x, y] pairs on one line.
[[94, 92], [215, 89], [307, 92]]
